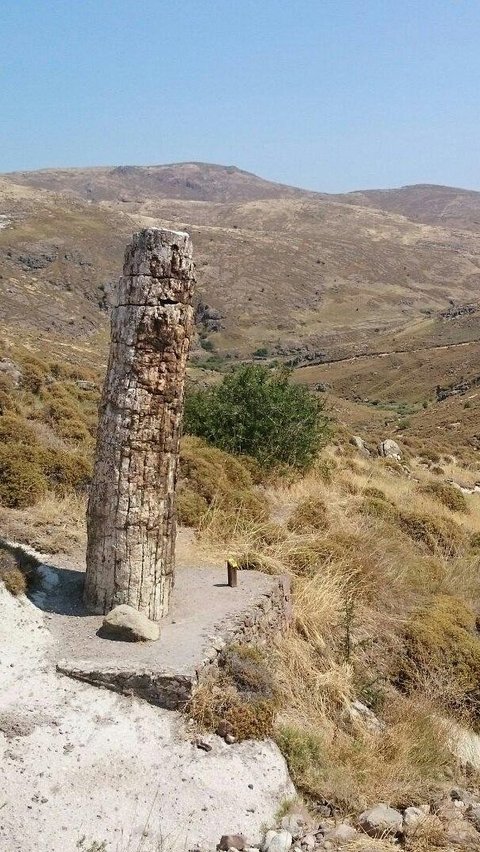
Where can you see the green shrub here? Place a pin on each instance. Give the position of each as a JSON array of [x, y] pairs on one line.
[[378, 507], [7, 395], [373, 491], [14, 429], [65, 471], [22, 481], [325, 468], [63, 413], [305, 754], [246, 668], [33, 376], [241, 699], [437, 533], [441, 639], [219, 480], [258, 412], [447, 494]]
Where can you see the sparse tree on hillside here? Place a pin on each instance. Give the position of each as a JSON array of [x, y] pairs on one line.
[[259, 412]]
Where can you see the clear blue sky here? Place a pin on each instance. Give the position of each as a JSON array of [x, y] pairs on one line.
[[331, 95]]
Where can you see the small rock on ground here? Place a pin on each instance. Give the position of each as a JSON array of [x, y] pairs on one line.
[[277, 841], [232, 841], [125, 622], [381, 820]]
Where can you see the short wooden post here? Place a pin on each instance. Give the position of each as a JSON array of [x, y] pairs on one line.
[[232, 568]]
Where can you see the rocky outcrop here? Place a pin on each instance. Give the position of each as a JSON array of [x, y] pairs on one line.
[[131, 510], [456, 388], [209, 318], [389, 449]]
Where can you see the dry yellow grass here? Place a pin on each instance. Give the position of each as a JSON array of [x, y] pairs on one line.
[[54, 525], [357, 581]]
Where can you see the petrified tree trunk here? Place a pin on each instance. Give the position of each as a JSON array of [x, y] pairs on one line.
[[131, 510]]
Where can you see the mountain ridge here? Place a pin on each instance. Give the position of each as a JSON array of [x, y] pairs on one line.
[[212, 182]]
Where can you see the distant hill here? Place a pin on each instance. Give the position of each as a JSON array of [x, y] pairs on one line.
[[442, 205], [185, 181], [282, 273]]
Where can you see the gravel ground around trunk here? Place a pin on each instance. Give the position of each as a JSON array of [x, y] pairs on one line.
[[82, 762]]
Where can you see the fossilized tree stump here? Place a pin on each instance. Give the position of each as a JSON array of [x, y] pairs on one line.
[[131, 510]]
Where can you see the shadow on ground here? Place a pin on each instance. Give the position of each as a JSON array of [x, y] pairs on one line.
[[58, 590]]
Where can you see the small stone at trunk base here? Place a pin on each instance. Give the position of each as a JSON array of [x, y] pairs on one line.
[[232, 841], [125, 622]]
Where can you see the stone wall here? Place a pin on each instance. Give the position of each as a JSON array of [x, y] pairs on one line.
[[258, 624]]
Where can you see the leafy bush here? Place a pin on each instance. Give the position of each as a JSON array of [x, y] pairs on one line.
[[257, 412], [373, 491], [66, 418], [437, 533], [247, 669], [325, 468], [379, 507], [65, 471], [191, 507], [33, 375]]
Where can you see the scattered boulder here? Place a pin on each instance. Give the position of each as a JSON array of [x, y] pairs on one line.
[[458, 794], [389, 449], [381, 820], [413, 817], [360, 444], [296, 823], [342, 833], [308, 841], [462, 833], [232, 841], [361, 713], [125, 622], [473, 814], [277, 841]]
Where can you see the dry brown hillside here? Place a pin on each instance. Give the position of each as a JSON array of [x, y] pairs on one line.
[[391, 276], [443, 205]]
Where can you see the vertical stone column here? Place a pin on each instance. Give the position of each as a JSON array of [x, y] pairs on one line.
[[131, 510]]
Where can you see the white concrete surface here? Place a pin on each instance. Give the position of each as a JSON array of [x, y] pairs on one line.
[[77, 761]]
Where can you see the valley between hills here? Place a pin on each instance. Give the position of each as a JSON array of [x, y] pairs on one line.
[[360, 292]]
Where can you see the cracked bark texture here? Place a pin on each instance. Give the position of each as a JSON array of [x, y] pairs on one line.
[[131, 508]]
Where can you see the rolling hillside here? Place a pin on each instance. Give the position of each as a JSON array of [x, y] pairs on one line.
[[283, 272]]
